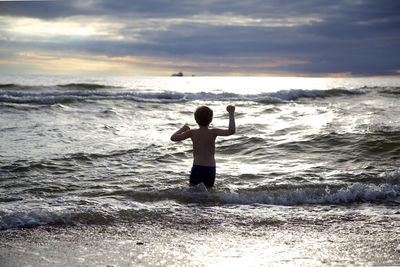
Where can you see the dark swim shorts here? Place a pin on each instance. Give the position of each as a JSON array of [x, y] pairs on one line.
[[202, 174]]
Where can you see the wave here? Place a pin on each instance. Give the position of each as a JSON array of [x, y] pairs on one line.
[[392, 91], [356, 192], [67, 163], [373, 144], [85, 212], [85, 86], [12, 93], [51, 98], [38, 216]]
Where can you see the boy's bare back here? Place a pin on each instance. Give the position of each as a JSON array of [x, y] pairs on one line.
[[203, 139], [203, 146]]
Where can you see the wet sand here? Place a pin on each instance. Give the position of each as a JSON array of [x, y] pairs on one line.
[[266, 243]]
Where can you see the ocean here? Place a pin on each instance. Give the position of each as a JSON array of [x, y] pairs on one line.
[[86, 151]]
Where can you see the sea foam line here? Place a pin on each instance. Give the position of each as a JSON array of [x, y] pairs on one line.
[[55, 97], [353, 193], [13, 215]]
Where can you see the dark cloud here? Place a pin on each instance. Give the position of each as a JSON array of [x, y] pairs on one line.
[[351, 10], [37, 9], [357, 36]]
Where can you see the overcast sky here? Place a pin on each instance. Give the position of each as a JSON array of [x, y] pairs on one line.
[[202, 37]]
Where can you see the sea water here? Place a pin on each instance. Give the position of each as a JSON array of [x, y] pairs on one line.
[[97, 150]]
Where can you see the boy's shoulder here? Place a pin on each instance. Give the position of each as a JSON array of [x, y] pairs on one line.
[[202, 130]]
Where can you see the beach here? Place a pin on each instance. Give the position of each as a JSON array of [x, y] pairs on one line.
[[334, 242]]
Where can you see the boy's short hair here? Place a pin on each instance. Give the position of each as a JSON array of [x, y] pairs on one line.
[[203, 115]]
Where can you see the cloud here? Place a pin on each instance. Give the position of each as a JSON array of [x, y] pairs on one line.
[[74, 27], [249, 37]]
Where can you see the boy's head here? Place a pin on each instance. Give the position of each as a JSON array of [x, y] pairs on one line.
[[203, 115]]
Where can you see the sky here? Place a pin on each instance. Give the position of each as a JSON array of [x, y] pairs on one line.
[[315, 38]]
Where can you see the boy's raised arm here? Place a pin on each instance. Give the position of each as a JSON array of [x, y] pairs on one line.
[[181, 134], [232, 126]]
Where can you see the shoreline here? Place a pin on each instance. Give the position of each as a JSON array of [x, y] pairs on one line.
[[203, 244]]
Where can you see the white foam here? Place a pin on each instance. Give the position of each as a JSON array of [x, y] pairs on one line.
[[353, 193], [55, 96], [12, 216], [75, 210]]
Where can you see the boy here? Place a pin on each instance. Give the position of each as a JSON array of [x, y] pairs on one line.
[[203, 139]]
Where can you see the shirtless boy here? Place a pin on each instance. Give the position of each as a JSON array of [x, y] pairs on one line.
[[203, 139]]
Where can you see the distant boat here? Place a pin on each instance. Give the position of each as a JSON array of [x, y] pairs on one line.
[[179, 74]]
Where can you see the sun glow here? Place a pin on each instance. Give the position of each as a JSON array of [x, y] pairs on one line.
[[77, 26], [76, 64]]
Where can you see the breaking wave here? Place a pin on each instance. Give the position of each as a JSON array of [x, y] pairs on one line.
[[48, 95], [104, 213], [357, 192]]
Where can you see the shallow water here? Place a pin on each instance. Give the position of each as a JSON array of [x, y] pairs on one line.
[[97, 149]]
